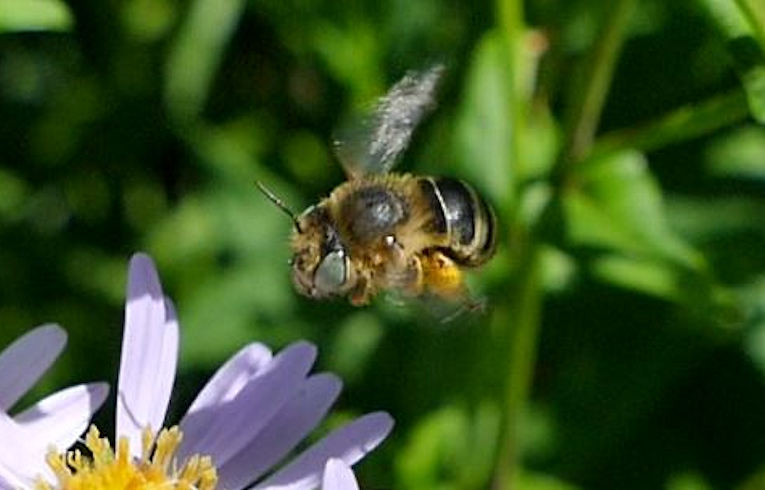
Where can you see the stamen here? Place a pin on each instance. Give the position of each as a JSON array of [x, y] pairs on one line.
[[105, 469]]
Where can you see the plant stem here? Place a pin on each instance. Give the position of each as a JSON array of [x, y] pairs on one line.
[[510, 17], [518, 331], [587, 106], [680, 125], [516, 324]]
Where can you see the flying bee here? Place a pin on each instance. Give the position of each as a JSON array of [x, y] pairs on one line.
[[387, 231]]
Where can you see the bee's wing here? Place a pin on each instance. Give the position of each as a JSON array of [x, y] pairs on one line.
[[375, 145], [438, 310]]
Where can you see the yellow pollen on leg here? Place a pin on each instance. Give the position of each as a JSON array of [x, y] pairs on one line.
[[106, 469]]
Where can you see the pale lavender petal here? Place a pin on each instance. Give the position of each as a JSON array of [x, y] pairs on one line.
[[19, 461], [24, 361], [238, 420], [222, 387], [338, 476], [59, 419], [7, 480], [284, 431], [142, 366], [232, 376], [349, 443], [165, 377]]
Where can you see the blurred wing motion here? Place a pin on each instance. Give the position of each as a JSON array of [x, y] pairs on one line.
[[375, 145]]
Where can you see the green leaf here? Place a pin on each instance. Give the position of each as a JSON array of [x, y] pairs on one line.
[[679, 125], [484, 127], [754, 11], [217, 316], [537, 481], [647, 276], [710, 219], [34, 15], [755, 481], [740, 23], [13, 192], [355, 342], [615, 203], [450, 449], [558, 269], [352, 57], [196, 54], [752, 296], [687, 481], [740, 153]]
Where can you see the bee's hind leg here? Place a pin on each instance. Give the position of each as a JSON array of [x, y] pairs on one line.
[[470, 305], [442, 276], [444, 279]]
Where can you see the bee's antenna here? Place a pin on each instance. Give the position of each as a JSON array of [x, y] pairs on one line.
[[280, 204]]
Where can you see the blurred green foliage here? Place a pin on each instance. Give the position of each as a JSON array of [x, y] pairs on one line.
[[621, 143]]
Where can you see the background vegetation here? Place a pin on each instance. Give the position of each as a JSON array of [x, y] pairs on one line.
[[621, 143]]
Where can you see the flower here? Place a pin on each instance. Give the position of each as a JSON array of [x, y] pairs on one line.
[[55, 421], [245, 421], [338, 476]]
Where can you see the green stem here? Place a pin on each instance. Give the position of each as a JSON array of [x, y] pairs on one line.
[[511, 26], [584, 113], [518, 330], [679, 125]]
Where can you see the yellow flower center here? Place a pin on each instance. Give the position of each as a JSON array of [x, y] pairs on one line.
[[106, 470]]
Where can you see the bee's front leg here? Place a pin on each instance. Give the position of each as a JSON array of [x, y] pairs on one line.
[[402, 271], [361, 293]]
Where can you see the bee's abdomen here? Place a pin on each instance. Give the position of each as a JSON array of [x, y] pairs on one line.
[[463, 216]]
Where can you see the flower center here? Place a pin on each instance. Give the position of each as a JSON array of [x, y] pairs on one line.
[[106, 469]]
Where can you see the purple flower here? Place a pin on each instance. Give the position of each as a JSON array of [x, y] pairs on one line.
[[54, 422], [239, 430], [338, 476]]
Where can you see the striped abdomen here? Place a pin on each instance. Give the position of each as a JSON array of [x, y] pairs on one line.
[[463, 217]]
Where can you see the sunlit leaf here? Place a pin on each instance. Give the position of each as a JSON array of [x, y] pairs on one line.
[[745, 39], [616, 203], [34, 15], [220, 314], [483, 132], [741, 154], [558, 269], [449, 449], [646, 276], [421, 463], [196, 53], [352, 58], [705, 219]]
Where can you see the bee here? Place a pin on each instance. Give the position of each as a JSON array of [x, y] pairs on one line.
[[388, 231]]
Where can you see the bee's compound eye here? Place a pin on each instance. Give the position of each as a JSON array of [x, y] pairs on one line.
[[332, 273]]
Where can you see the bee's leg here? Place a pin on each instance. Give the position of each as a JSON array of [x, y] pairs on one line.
[[414, 278], [394, 252], [361, 293], [402, 273], [442, 276], [469, 305]]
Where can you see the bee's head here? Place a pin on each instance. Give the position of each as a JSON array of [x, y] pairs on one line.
[[321, 265]]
